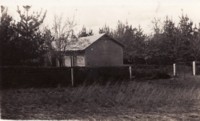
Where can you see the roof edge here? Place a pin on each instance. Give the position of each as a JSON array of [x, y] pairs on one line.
[[114, 40]]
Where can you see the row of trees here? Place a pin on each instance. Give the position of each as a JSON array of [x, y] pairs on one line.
[[174, 43], [24, 43], [169, 42], [132, 38]]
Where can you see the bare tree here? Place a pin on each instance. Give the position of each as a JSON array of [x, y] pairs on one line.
[[63, 31]]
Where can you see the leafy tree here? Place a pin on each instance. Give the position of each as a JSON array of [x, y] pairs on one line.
[[119, 32], [133, 40], [159, 45], [185, 35], [153, 51], [195, 44], [84, 33], [106, 29], [29, 41], [171, 43], [7, 35]]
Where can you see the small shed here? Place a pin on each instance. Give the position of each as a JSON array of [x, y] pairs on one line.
[[92, 51]]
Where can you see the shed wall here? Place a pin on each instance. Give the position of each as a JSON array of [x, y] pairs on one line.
[[104, 52]]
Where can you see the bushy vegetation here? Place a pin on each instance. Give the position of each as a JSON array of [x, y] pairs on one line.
[[27, 77], [169, 42], [24, 77], [23, 42], [160, 97], [98, 92]]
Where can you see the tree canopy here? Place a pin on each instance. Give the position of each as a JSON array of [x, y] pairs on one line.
[[24, 43]]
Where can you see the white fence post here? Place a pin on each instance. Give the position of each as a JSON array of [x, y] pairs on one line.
[[194, 68], [130, 72], [174, 69]]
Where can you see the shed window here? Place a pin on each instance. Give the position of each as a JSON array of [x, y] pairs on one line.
[[80, 61], [67, 61]]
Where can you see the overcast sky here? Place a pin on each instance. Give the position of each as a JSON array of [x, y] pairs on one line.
[[94, 14]]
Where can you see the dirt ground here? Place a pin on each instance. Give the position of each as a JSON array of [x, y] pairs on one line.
[[111, 114]]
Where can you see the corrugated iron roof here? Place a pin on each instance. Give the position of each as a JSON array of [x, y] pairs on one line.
[[83, 42]]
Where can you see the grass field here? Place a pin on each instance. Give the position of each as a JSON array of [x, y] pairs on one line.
[[149, 100]]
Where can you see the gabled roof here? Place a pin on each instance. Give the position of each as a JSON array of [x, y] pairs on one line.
[[84, 42]]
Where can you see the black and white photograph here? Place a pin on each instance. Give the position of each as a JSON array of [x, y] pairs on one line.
[[93, 60]]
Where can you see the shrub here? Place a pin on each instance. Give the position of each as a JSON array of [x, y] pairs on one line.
[[151, 72], [24, 77]]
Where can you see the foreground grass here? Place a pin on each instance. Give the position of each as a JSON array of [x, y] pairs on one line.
[[176, 99]]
